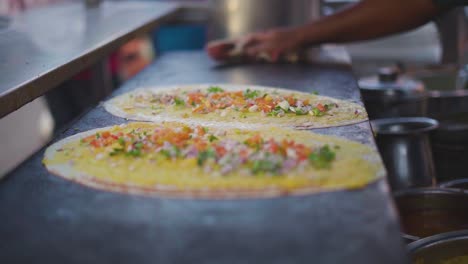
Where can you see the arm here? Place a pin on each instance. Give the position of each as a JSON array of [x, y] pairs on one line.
[[368, 19]]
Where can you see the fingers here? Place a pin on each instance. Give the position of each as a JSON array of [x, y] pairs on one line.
[[269, 46], [264, 50], [219, 50]]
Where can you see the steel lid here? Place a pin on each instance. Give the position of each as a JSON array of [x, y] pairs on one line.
[[390, 78]]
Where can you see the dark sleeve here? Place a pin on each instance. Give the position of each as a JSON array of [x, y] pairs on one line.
[[445, 4]]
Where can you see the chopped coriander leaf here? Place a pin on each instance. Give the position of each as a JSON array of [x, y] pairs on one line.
[[215, 89], [179, 102], [177, 151], [212, 138], [323, 158], [300, 112], [121, 141], [166, 153], [315, 92], [116, 151], [138, 145], [134, 153], [260, 166], [251, 94], [98, 135], [204, 156], [316, 112], [275, 111]]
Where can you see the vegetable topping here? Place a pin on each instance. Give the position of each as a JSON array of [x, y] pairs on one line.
[[255, 155], [217, 99]]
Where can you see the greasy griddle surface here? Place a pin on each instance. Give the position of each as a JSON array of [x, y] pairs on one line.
[[46, 219]]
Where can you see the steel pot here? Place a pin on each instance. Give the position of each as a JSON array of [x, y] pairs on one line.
[[233, 18], [405, 148], [451, 247], [428, 211], [390, 94]]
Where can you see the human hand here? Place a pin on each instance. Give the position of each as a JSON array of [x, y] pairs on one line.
[[271, 46], [221, 50], [274, 44]]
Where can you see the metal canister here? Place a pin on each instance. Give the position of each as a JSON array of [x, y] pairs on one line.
[[234, 18], [406, 150]]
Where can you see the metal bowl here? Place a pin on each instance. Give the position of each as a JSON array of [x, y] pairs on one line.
[[451, 247], [428, 211]]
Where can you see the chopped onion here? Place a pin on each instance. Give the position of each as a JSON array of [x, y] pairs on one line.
[[284, 105], [253, 108]]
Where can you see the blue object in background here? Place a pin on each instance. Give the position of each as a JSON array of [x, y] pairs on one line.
[[179, 37]]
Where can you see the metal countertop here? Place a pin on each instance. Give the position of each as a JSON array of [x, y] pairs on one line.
[[43, 47], [46, 219]]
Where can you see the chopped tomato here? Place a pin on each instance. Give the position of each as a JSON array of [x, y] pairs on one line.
[[220, 150], [201, 109], [274, 147], [200, 131], [291, 100], [321, 108], [254, 141], [195, 98], [200, 145], [96, 143], [302, 152], [106, 134]]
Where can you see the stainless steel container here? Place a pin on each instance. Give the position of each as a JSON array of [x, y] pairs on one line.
[[451, 247], [406, 151], [428, 211], [233, 18], [390, 94]]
